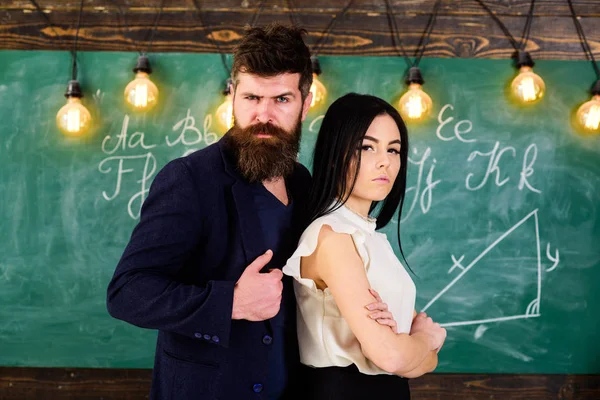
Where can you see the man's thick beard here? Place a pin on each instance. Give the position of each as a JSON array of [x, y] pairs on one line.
[[260, 159]]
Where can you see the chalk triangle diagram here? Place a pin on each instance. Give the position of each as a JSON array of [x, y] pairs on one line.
[[501, 283]]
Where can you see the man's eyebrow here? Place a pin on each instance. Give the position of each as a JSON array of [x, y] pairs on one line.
[[284, 94], [291, 94]]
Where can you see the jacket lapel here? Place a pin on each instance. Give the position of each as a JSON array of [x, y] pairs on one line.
[[243, 198], [253, 240]]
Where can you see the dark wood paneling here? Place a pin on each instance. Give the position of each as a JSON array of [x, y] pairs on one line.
[[463, 28], [511, 7], [130, 384]]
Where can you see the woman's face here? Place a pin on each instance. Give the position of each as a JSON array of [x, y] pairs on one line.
[[380, 161]]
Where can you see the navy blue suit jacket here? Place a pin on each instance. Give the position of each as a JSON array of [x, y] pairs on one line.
[[197, 233]]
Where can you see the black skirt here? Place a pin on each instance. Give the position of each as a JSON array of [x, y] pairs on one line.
[[347, 383]]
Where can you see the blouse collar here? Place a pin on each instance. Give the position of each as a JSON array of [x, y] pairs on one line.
[[367, 223]]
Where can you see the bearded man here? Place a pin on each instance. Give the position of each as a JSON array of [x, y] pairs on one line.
[[203, 266]]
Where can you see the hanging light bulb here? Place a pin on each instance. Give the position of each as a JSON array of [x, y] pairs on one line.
[[73, 119], [415, 104], [225, 110], [141, 93], [588, 115], [527, 87], [318, 90]]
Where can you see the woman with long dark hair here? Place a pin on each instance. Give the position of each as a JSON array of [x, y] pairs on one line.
[[359, 180]]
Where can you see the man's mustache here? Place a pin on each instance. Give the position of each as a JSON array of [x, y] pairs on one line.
[[266, 129]]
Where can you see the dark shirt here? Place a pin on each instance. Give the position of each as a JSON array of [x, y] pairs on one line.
[[276, 224]]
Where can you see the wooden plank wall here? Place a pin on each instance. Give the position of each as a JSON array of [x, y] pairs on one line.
[[463, 29], [134, 384]]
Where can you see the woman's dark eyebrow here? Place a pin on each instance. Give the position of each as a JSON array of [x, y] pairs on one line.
[[377, 141]]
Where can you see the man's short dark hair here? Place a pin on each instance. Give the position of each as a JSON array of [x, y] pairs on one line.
[[272, 50]]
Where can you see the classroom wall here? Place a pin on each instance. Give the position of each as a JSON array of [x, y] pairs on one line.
[[463, 30]]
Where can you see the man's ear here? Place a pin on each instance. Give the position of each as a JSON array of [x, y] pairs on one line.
[[306, 105]]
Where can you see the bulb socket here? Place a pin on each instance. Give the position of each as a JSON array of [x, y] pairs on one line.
[[414, 76], [143, 65], [228, 87], [316, 65], [523, 59], [73, 90], [596, 88]]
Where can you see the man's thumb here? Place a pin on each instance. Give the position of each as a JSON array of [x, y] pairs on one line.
[[260, 261]]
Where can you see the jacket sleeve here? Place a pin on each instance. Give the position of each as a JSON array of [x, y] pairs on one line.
[[144, 290]]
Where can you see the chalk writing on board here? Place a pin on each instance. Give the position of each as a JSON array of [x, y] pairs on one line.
[[135, 140], [189, 135], [461, 128], [139, 167], [421, 195], [532, 310], [555, 259], [123, 166], [148, 170], [494, 159], [493, 167], [313, 125], [527, 169], [98, 97]]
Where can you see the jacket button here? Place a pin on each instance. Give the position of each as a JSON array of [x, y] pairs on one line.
[[207, 337], [257, 388], [267, 339], [215, 339], [198, 335]]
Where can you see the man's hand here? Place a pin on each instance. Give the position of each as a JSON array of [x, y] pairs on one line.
[[257, 296], [380, 311], [435, 333]]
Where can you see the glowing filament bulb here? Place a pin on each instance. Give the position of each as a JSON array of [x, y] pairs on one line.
[[588, 115], [415, 104], [593, 118], [141, 93], [319, 92], [225, 112], [528, 87], [73, 119]]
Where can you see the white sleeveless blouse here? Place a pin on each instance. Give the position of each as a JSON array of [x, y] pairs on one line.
[[324, 337]]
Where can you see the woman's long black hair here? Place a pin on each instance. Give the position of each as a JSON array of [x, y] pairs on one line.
[[340, 138]]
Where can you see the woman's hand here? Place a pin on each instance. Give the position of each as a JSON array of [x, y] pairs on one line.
[[437, 334], [380, 312]]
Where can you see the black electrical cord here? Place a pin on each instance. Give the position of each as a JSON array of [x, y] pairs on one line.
[[153, 31], [74, 52], [397, 41], [582, 39], [292, 14], [258, 12], [427, 32], [395, 35], [325, 35], [509, 36], [211, 40], [51, 25]]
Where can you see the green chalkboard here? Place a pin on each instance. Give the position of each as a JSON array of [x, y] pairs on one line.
[[501, 222]]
